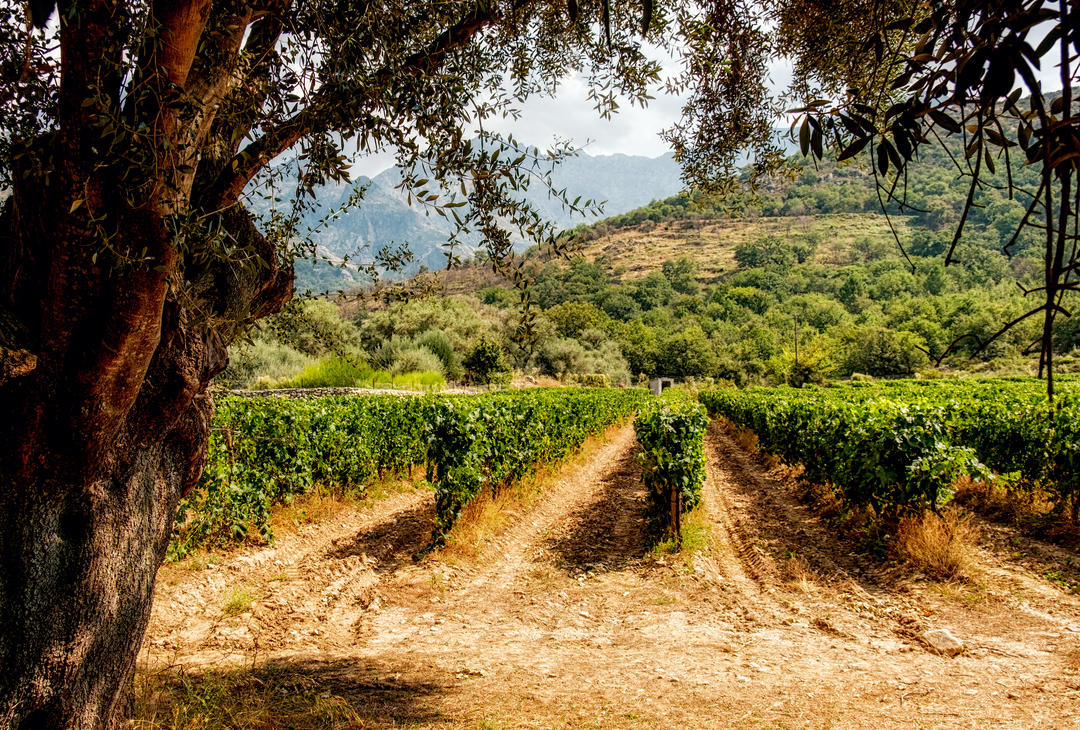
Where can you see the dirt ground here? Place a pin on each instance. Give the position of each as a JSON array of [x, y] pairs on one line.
[[566, 619]]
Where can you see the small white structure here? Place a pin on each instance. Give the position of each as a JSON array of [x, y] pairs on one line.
[[659, 385]]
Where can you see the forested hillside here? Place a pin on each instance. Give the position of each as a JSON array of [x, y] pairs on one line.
[[680, 288]]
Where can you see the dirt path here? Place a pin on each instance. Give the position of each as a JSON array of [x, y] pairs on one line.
[[566, 620]]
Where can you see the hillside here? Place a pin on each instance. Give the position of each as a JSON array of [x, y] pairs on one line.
[[384, 217], [677, 287], [634, 251]]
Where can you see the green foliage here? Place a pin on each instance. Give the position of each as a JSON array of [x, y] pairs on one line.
[[900, 444], [263, 451], [671, 432], [417, 359], [462, 320], [765, 251], [439, 343], [337, 371], [881, 352], [595, 380], [686, 353], [313, 327], [487, 364], [263, 362], [492, 441], [561, 357], [682, 274], [331, 372], [879, 454], [573, 318]]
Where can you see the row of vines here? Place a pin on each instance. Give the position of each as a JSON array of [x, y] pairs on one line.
[[265, 451], [671, 432], [491, 442], [901, 445]]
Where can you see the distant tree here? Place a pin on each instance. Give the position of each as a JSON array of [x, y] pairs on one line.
[[573, 318], [682, 273], [686, 354], [486, 363], [882, 352], [765, 251], [619, 305], [653, 291], [562, 356]]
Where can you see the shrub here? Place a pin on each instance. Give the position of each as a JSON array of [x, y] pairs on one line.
[[942, 545], [439, 343], [262, 359], [331, 372], [486, 363], [671, 431], [416, 359], [561, 356], [765, 251]]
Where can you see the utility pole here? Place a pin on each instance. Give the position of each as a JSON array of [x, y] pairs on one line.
[[796, 340]]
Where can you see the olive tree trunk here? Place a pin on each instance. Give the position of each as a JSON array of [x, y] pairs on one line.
[[105, 418]]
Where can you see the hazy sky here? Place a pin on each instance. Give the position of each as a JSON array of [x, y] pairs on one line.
[[570, 115], [632, 131]]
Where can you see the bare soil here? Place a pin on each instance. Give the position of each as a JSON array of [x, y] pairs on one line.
[[566, 619]]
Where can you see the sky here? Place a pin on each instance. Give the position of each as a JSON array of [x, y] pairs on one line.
[[632, 131], [570, 115]]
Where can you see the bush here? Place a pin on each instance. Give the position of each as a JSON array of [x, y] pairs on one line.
[[263, 360], [765, 251], [561, 357], [595, 380], [416, 359], [671, 431], [439, 343], [487, 364], [331, 372]]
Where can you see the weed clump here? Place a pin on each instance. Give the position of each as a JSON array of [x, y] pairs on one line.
[[942, 545]]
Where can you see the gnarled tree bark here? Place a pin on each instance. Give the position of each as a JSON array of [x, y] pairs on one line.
[[88, 492]]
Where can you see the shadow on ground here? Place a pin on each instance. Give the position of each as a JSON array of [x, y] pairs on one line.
[[609, 532], [302, 695], [392, 542]]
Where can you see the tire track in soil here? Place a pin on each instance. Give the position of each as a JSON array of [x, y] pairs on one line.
[[784, 526], [874, 596], [572, 500], [306, 588]]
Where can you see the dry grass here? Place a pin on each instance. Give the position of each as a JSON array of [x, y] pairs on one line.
[[317, 505], [263, 699], [942, 545], [799, 574], [1021, 507], [696, 532], [632, 253], [322, 504], [1030, 509]]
